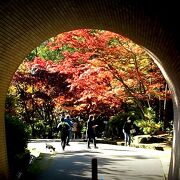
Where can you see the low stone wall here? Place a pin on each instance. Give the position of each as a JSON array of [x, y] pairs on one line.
[[158, 142]]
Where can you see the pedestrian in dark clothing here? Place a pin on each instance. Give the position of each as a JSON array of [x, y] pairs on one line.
[[127, 131], [63, 127], [91, 131], [70, 123]]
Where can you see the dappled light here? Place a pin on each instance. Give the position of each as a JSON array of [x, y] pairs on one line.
[[113, 161]]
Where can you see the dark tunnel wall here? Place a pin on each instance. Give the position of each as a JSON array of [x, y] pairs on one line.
[[24, 24]]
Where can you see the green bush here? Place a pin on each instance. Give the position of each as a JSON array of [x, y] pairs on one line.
[[148, 125], [17, 139]]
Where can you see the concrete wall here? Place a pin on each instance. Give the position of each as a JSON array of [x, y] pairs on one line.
[[24, 24]]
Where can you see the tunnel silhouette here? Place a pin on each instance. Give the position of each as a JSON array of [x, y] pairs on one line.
[[152, 24]]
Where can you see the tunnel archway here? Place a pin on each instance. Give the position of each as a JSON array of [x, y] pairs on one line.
[[25, 24]]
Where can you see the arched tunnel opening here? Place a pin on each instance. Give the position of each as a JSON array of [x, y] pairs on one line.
[[24, 25], [85, 72]]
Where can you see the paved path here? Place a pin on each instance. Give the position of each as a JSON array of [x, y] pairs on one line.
[[114, 162]]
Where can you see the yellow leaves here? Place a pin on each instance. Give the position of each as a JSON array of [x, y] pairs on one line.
[[145, 62], [12, 90], [148, 126], [130, 101], [22, 68], [80, 107], [30, 89]]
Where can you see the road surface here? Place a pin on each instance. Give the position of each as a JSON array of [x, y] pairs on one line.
[[114, 162]]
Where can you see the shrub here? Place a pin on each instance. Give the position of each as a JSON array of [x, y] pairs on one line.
[[148, 125], [16, 138]]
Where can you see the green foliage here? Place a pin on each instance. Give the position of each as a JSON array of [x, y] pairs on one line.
[[115, 124], [29, 131], [169, 129], [118, 119], [131, 110], [69, 49], [31, 55], [39, 125], [148, 125], [16, 133], [40, 129], [17, 139], [12, 104], [114, 42], [44, 52], [84, 129], [150, 114]]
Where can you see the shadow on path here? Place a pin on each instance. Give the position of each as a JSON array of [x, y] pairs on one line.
[[113, 164]]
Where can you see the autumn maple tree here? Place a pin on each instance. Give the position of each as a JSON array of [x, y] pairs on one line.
[[88, 71], [37, 87], [125, 68]]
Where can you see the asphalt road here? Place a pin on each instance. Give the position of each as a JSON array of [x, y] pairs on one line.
[[114, 162]]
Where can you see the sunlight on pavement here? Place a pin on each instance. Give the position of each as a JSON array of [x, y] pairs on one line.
[[113, 160]]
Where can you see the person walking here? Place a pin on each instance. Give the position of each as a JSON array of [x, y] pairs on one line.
[[63, 127], [70, 123], [127, 131], [91, 131]]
